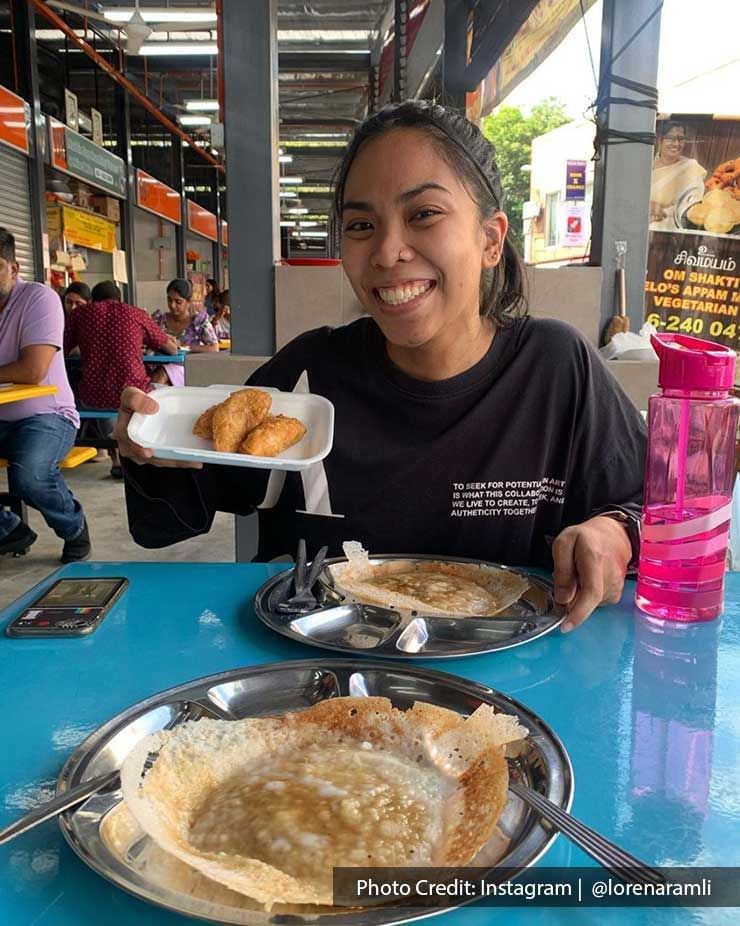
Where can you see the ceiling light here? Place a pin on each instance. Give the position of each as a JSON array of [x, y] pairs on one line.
[[169, 15], [342, 135], [314, 234], [286, 158], [308, 224], [298, 210], [320, 35], [288, 194], [183, 48], [194, 120], [287, 224], [203, 106], [295, 180]]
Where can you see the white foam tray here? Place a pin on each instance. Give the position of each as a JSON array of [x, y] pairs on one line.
[[169, 432]]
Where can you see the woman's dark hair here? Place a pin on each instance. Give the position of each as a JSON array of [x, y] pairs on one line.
[[220, 301], [214, 286], [473, 159], [664, 126], [79, 289], [104, 291], [183, 288]]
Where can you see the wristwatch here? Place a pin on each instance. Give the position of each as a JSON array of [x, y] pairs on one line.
[[632, 525]]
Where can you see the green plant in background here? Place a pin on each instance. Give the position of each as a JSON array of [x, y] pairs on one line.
[[512, 133]]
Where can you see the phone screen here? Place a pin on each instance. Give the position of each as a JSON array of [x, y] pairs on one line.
[[79, 593]]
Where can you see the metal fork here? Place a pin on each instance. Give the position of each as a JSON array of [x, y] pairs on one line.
[[606, 853], [304, 600]]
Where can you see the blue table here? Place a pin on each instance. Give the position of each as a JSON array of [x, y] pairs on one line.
[[651, 722], [179, 357]]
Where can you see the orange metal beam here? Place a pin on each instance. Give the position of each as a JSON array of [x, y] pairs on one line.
[[122, 80]]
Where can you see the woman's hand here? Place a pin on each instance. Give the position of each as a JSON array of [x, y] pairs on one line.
[[134, 400], [591, 561]]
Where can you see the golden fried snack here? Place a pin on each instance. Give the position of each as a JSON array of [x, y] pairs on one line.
[[237, 416], [276, 434], [697, 213], [203, 426], [719, 221]]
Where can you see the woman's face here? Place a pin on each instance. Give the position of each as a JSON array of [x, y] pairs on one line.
[[73, 301], [672, 145], [209, 288], [413, 244], [179, 306]]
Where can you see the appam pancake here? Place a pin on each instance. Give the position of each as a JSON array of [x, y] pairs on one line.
[[427, 586], [268, 806]]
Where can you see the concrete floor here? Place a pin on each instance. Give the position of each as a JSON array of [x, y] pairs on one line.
[[103, 502]]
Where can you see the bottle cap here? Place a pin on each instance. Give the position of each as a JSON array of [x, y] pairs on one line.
[[693, 363]]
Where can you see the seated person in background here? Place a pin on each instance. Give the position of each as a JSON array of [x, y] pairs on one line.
[[212, 294], [75, 295], [221, 320], [463, 427], [36, 434], [105, 291], [191, 329], [111, 336]]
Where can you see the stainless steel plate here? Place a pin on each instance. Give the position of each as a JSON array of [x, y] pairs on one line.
[[106, 838], [350, 627]]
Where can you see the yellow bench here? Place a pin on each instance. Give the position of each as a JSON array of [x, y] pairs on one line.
[[75, 456]]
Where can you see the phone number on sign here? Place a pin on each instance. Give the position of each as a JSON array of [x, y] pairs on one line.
[[692, 324]]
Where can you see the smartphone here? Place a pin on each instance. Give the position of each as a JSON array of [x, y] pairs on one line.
[[70, 608]]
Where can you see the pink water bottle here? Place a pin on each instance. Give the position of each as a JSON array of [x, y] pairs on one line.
[[689, 478]]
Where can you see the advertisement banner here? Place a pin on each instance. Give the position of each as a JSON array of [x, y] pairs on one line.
[[693, 284], [15, 120], [546, 27], [575, 180], [574, 233]]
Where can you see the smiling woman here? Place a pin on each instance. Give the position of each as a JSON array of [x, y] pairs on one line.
[[463, 427]]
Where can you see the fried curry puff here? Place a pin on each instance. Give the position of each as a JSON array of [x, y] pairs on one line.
[[237, 416], [242, 424], [268, 806], [273, 436]]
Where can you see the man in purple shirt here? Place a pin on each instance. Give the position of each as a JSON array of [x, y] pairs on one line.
[[36, 434]]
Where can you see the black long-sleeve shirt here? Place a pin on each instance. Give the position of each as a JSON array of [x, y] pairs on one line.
[[491, 463]]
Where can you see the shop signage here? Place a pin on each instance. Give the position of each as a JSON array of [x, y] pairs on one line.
[[157, 197], [201, 221], [575, 180], [693, 267], [224, 233], [86, 229], [76, 155], [15, 120]]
